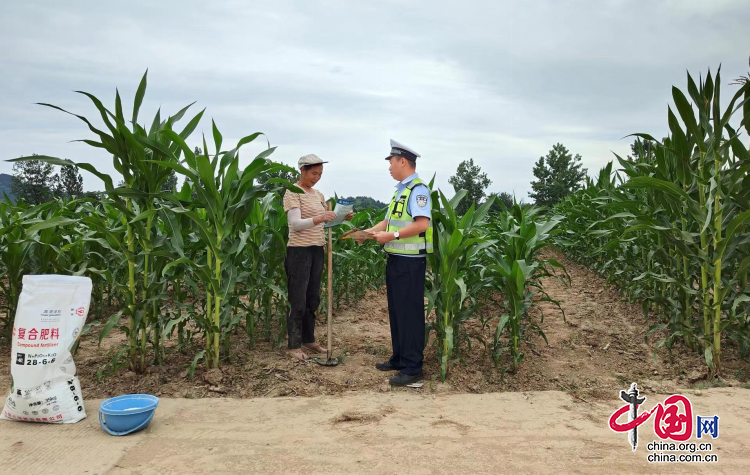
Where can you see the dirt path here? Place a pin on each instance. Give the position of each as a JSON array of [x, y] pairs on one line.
[[535, 432]]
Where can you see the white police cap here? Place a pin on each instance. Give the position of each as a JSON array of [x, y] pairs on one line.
[[402, 151]]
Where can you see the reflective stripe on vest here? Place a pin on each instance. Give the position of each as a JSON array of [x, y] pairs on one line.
[[399, 223], [398, 218], [409, 247]]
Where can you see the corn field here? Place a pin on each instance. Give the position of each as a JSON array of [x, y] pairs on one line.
[[671, 228], [201, 265], [479, 260]]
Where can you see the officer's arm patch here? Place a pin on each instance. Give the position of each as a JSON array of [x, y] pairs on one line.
[[421, 201]]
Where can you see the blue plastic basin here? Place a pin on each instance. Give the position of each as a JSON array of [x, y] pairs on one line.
[[126, 414]]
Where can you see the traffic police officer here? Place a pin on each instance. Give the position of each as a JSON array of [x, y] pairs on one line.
[[406, 235]]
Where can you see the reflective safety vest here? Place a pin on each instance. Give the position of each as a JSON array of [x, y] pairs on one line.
[[398, 218]]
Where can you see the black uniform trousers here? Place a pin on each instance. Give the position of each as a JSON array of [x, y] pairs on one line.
[[404, 279]]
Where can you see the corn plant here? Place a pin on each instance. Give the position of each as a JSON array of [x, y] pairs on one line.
[[517, 271], [15, 258], [31, 242], [265, 284], [675, 232], [720, 166], [227, 195], [135, 152], [454, 275]]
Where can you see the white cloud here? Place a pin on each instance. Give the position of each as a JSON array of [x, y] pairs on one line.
[[497, 81]]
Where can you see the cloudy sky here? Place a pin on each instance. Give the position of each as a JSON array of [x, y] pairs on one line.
[[496, 81]]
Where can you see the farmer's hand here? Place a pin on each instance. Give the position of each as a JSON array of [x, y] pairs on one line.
[[349, 215], [383, 237], [329, 216]]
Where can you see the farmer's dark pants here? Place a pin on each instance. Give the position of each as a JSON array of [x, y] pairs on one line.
[[404, 279], [304, 267]]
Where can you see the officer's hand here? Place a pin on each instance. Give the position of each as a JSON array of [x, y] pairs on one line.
[[329, 216], [369, 235], [383, 237]]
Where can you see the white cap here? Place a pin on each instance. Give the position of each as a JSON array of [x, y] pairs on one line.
[[311, 159]]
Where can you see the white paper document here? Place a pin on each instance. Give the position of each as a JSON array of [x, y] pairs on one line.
[[343, 207]]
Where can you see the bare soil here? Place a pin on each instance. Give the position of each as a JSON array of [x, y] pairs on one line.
[[596, 350], [547, 432]]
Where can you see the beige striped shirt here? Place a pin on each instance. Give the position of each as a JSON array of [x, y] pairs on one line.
[[310, 205]]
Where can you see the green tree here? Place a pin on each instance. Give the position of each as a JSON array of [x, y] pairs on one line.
[[6, 181], [33, 181], [642, 150], [503, 197], [469, 177], [171, 183], [68, 183], [97, 196], [290, 176], [558, 175]]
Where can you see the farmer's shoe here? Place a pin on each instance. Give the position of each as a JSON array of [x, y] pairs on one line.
[[315, 348], [297, 354], [386, 366], [412, 381]]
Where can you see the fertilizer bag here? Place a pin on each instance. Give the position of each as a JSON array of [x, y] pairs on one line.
[[51, 312]]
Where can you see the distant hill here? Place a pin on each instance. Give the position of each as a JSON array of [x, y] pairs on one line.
[[5, 181], [363, 202]]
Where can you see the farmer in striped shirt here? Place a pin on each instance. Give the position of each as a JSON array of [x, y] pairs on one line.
[[306, 212]]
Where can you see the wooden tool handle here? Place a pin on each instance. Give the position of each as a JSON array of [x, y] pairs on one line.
[[330, 285]]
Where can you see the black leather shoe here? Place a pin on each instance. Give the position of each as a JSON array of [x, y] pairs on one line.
[[412, 381], [386, 366]]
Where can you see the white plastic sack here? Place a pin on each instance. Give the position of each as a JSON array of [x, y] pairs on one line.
[[51, 312]]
